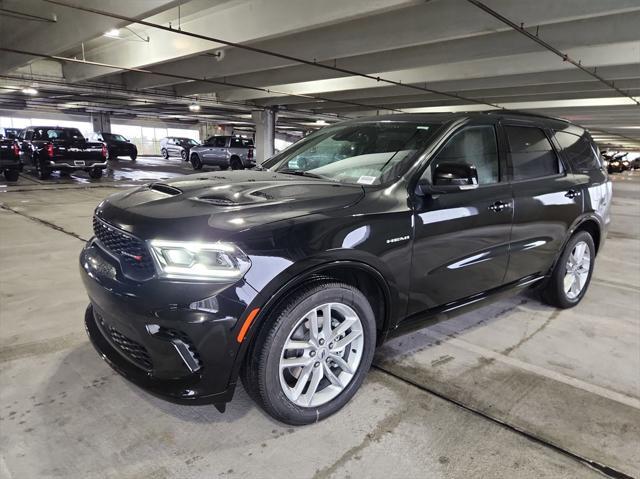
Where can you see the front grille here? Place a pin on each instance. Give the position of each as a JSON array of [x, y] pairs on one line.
[[128, 248]]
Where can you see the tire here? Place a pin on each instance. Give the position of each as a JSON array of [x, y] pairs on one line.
[[554, 292], [42, 171], [274, 391], [236, 163], [95, 173], [183, 155], [111, 156], [11, 175], [165, 154], [196, 162], [133, 156]]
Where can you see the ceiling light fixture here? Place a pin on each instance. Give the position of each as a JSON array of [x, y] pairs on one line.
[[113, 33], [29, 91], [194, 107]]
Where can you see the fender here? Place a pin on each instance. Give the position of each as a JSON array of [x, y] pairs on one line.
[[572, 229]]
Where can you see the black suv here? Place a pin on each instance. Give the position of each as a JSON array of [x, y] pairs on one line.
[[289, 275], [117, 145]]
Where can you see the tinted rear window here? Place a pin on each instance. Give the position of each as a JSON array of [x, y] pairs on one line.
[[57, 134], [532, 155], [241, 143], [578, 151]]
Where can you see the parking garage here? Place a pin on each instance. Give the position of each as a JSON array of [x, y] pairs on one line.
[[159, 95]]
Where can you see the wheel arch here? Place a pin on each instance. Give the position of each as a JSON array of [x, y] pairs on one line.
[[355, 273]]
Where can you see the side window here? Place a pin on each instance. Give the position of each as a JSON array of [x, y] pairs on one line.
[[532, 155], [236, 143], [31, 135], [578, 151], [474, 145], [220, 142]]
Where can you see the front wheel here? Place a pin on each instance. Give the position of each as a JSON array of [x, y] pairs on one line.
[[196, 162], [133, 156], [572, 274], [311, 358]]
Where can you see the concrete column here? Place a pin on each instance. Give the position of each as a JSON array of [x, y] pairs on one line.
[[265, 121], [101, 122]]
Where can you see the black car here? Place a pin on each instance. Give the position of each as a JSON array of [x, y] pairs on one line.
[[618, 163], [177, 146], [53, 148], [9, 133], [117, 145], [289, 275], [10, 163]]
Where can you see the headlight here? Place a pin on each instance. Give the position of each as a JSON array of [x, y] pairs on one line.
[[199, 261]]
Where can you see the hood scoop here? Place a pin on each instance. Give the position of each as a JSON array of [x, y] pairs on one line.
[[217, 200], [166, 189]]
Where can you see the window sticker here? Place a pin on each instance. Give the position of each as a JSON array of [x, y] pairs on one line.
[[366, 180]]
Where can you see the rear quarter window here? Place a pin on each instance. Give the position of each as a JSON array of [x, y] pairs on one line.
[[578, 151]]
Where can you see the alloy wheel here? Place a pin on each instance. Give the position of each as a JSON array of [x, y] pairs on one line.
[[321, 354], [577, 270]]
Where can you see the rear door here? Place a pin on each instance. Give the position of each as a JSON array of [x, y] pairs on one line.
[[547, 199], [461, 243]]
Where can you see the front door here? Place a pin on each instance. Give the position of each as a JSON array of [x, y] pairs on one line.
[[461, 239]]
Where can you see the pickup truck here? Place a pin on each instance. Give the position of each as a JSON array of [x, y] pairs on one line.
[[10, 163], [48, 148]]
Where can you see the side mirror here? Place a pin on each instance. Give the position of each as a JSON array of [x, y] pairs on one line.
[[448, 177]]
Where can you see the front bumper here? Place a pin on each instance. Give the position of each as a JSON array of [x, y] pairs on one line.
[[148, 333]]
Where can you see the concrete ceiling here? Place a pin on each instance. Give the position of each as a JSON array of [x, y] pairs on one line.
[[447, 46]]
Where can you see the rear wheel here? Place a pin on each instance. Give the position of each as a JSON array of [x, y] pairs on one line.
[[572, 274], [164, 153], [236, 163], [183, 155], [11, 175], [310, 360], [196, 162], [95, 173]]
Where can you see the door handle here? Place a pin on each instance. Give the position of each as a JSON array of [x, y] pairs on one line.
[[499, 206], [572, 194]]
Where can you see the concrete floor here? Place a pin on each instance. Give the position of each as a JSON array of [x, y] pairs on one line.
[[570, 380]]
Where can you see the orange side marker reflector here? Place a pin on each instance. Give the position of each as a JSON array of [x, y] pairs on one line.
[[247, 322]]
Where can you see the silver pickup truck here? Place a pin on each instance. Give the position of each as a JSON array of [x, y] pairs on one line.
[[224, 152]]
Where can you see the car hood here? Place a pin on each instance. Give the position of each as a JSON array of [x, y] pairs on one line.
[[220, 205]]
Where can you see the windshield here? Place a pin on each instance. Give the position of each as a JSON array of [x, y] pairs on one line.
[[114, 137], [370, 153]]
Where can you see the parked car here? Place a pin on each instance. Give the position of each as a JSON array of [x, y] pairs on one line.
[[290, 274], [9, 133], [53, 148], [177, 146], [634, 161], [224, 151], [117, 145], [10, 163], [618, 163]]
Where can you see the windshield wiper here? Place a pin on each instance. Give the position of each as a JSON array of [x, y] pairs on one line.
[[302, 173]]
